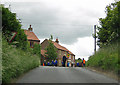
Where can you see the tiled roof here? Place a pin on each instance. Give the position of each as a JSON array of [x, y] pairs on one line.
[[43, 52], [31, 35], [61, 47]]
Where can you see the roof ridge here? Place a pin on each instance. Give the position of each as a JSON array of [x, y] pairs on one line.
[[31, 35], [63, 47]]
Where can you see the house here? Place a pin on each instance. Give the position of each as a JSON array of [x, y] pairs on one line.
[[32, 38], [60, 51]]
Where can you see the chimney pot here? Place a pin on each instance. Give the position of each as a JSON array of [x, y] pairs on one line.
[[30, 29], [57, 40]]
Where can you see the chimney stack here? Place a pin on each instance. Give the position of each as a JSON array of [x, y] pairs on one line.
[[30, 29], [57, 40]]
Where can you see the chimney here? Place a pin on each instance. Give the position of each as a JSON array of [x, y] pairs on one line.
[[30, 29], [57, 40]]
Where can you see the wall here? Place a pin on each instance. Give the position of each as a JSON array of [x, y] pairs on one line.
[[44, 44]]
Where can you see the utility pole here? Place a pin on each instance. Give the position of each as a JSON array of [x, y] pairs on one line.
[[95, 38], [9, 7]]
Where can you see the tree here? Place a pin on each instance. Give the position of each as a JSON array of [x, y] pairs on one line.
[[21, 38], [109, 29], [51, 37], [37, 49], [51, 51], [11, 24]]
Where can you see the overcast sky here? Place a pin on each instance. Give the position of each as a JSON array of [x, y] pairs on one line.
[[71, 21]]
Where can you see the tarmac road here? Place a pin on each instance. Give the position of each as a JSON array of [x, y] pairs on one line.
[[64, 75]]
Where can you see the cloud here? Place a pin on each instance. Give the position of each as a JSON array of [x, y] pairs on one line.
[[83, 48], [70, 20], [62, 20]]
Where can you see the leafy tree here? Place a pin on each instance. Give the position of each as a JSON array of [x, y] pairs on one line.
[[109, 28], [22, 39], [37, 49], [51, 37], [10, 24], [51, 53]]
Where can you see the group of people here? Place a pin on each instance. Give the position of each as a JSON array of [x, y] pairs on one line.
[[64, 59], [53, 63], [82, 64]]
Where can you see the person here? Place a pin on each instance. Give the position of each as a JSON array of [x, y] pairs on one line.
[[64, 60], [68, 64], [83, 62], [45, 62], [52, 63], [55, 62], [62, 63], [48, 63], [77, 64]]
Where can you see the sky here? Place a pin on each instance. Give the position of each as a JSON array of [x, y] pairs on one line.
[[71, 21]]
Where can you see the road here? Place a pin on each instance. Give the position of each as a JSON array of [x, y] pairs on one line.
[[64, 75]]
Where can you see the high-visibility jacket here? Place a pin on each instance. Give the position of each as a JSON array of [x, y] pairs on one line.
[[84, 61]]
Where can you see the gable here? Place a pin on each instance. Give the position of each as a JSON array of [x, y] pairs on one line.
[[31, 35], [45, 43]]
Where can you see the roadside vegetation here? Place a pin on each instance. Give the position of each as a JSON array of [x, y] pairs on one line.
[[16, 61], [51, 51], [17, 56], [107, 57]]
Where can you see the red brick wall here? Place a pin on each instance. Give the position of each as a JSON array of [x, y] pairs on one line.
[[44, 44], [34, 42]]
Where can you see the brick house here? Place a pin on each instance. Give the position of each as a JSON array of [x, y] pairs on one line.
[[60, 51], [32, 38]]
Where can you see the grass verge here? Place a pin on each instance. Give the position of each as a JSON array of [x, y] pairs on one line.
[[106, 59], [15, 62]]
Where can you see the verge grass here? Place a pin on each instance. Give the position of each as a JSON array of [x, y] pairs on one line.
[[15, 62], [106, 59]]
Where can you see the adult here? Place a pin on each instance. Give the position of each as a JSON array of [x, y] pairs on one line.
[[64, 60], [83, 62]]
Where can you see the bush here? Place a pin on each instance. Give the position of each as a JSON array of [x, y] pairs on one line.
[[106, 58], [16, 62]]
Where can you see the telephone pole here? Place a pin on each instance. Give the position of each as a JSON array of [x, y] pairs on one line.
[[95, 38]]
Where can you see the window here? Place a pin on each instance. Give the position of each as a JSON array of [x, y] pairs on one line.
[[31, 44], [69, 56]]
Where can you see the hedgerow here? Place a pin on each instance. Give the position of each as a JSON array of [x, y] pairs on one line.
[[16, 62]]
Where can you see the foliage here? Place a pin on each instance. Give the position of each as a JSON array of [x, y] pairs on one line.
[[16, 62], [79, 60], [109, 28], [9, 22], [51, 51], [21, 38], [51, 37], [37, 49], [106, 58], [0, 55]]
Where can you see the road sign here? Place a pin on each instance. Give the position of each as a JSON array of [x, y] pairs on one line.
[[13, 34], [68, 55]]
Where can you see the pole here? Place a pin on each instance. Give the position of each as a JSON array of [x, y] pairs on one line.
[[95, 38]]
